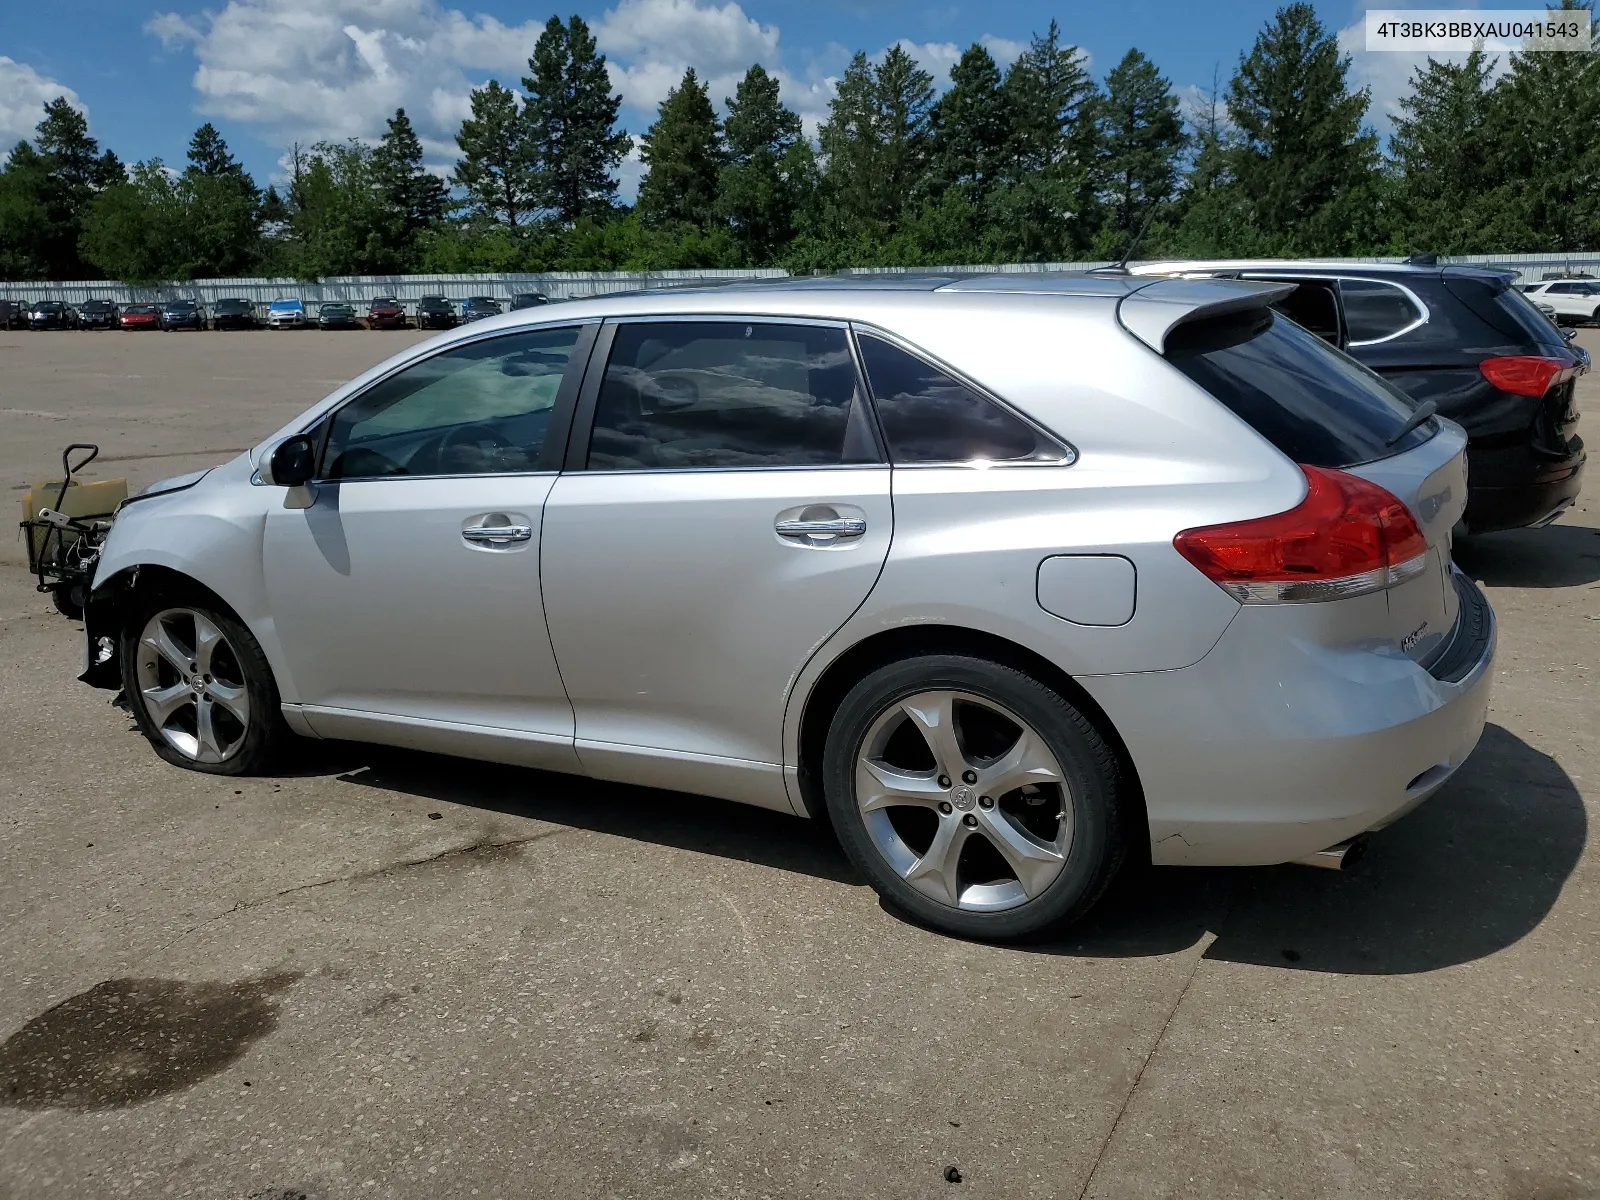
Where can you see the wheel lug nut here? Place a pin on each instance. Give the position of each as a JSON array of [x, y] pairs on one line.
[[944, 807], [969, 819], [985, 801], [944, 781], [969, 777]]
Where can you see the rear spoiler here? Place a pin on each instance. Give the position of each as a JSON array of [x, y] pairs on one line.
[[1155, 310]]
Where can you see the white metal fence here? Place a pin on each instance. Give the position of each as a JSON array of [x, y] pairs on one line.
[[571, 285]]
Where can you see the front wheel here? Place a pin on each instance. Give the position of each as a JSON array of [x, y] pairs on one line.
[[200, 688], [973, 797]]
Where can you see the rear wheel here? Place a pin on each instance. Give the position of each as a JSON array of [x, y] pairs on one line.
[[200, 688], [973, 797]]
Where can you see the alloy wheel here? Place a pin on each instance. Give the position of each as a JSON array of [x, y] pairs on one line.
[[964, 800], [192, 685]]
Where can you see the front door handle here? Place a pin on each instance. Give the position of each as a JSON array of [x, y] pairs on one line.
[[819, 526], [498, 533]]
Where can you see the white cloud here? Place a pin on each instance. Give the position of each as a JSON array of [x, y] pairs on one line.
[[23, 95]]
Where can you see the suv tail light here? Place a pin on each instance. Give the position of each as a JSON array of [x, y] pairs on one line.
[[1526, 374], [1346, 538]]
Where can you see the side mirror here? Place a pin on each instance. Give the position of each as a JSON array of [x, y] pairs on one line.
[[293, 462], [1570, 334]]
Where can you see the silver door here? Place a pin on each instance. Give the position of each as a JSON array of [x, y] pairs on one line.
[[407, 604], [684, 597]]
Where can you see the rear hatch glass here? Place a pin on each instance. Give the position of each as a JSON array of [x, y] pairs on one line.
[[1318, 406], [1494, 301]]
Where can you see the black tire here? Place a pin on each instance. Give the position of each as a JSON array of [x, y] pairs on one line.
[[265, 735], [1088, 765], [68, 599]]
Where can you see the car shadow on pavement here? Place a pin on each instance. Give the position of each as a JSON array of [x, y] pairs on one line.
[[1472, 871], [687, 822], [1555, 556]]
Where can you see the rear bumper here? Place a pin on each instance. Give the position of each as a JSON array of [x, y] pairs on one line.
[[1512, 488], [1272, 748]]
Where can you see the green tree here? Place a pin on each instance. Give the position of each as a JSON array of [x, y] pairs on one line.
[[497, 169], [1543, 151], [414, 197], [683, 156], [339, 223], [73, 171], [971, 126], [137, 229], [1142, 141], [1303, 161], [221, 212], [770, 169], [572, 115], [1442, 156], [1048, 208], [875, 142], [24, 221]]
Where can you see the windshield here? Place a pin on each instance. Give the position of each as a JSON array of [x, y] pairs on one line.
[[1317, 405], [48, 306], [141, 308], [285, 305], [97, 306]]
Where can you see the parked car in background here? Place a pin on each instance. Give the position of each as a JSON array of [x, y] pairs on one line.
[[476, 308], [286, 313], [435, 312], [1466, 340], [337, 316], [386, 313], [233, 314], [97, 314], [1574, 301], [12, 314], [925, 515], [528, 300], [52, 314], [139, 316], [182, 314]]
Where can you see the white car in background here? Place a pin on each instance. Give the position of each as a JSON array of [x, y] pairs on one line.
[[1572, 300], [286, 314]]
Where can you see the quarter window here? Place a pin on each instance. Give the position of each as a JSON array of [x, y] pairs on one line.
[[1374, 311], [685, 394], [929, 417], [478, 409]]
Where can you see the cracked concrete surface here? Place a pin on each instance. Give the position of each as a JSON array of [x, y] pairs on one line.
[[678, 997]]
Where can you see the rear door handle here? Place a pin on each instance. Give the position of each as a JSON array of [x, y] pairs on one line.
[[498, 533]]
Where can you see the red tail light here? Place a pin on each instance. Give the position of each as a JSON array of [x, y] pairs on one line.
[[1526, 374], [1347, 537]]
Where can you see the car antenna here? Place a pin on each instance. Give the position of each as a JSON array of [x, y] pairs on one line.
[[1121, 265]]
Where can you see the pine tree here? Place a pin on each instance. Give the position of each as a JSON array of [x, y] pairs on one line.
[[1048, 208], [24, 222], [209, 154], [572, 115], [1141, 140], [417, 197], [1303, 161], [769, 168], [683, 154], [971, 125], [876, 141], [1442, 157], [497, 168], [221, 226], [73, 171]]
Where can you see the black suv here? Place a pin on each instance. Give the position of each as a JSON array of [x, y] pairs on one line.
[[233, 314], [1466, 339], [97, 314], [476, 308], [435, 312], [528, 300], [52, 314]]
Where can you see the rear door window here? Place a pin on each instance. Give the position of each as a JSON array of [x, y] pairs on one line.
[[1375, 311], [929, 417], [723, 394], [1314, 403]]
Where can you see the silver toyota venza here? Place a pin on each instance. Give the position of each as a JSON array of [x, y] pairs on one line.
[[1006, 578]]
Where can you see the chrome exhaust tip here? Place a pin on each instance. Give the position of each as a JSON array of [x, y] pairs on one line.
[[1337, 858]]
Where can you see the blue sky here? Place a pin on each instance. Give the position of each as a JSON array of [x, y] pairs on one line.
[[270, 72]]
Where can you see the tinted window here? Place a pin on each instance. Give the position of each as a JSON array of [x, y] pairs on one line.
[[928, 417], [1312, 304], [1318, 406], [729, 394], [1375, 310], [479, 409]]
